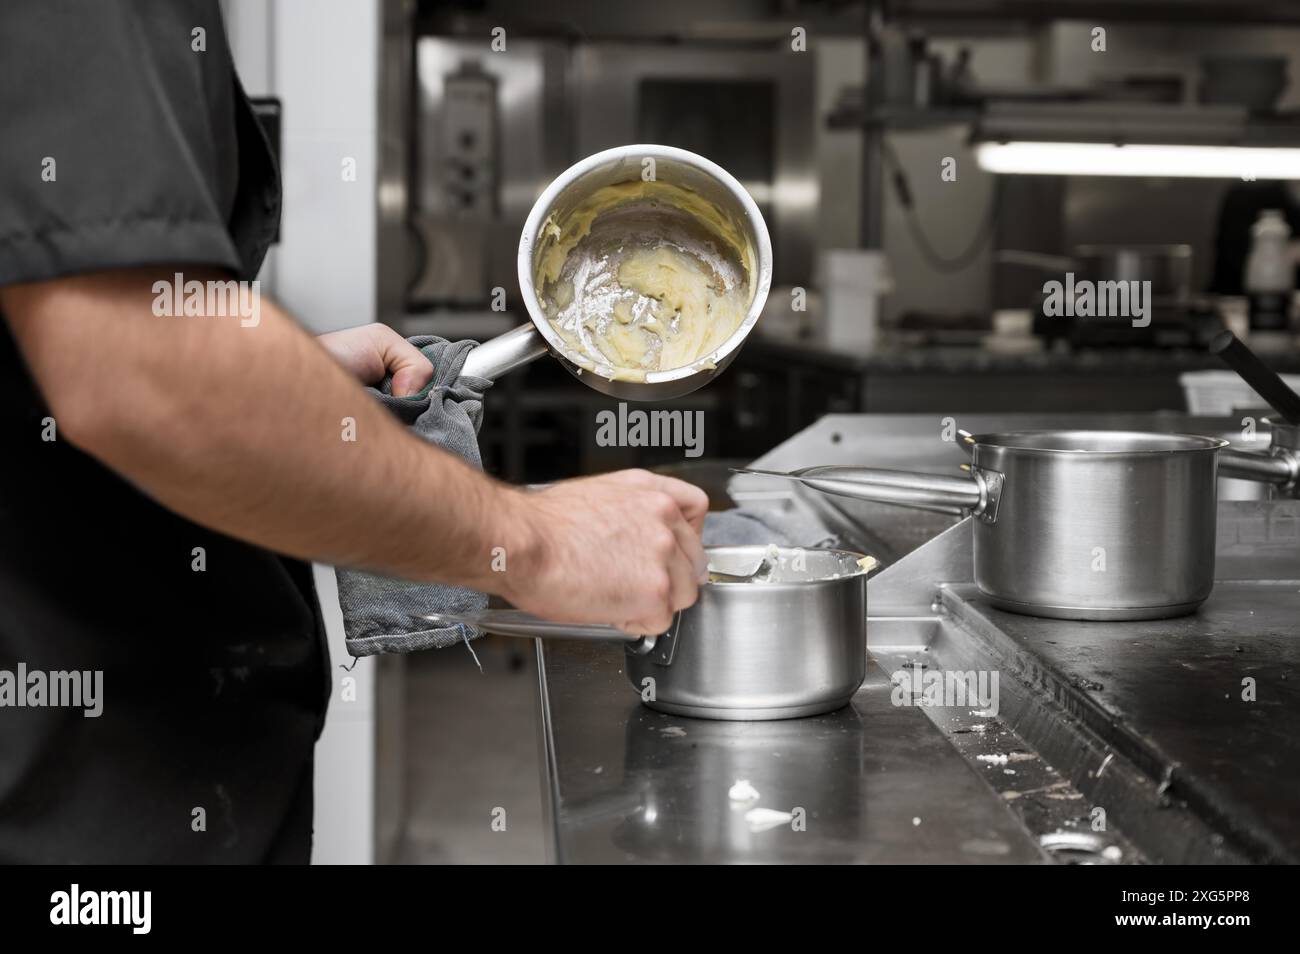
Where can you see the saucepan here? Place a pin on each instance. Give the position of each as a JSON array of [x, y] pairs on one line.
[[694, 200], [1074, 524], [791, 643]]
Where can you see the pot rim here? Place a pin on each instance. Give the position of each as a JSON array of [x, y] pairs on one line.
[[787, 585], [1019, 441], [542, 207]]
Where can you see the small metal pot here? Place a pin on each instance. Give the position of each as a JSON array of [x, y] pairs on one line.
[[677, 167], [1072, 524], [793, 646]]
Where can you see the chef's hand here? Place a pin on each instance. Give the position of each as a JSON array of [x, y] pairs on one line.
[[369, 352], [621, 548]]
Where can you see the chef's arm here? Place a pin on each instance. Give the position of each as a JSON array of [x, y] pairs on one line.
[[253, 430]]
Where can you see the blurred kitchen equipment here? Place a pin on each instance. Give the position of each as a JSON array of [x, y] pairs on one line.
[[751, 112], [1270, 274], [1263, 380], [1168, 267], [852, 281], [1281, 465], [614, 166], [1071, 524], [1012, 332], [491, 131], [1222, 393], [794, 645], [1255, 82]]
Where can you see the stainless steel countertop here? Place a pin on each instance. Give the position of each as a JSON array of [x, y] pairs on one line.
[[1137, 719], [878, 783]]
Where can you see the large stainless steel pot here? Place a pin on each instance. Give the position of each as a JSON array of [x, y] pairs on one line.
[[1072, 524], [793, 646], [677, 167]]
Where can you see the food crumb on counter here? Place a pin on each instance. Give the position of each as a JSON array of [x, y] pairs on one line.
[[765, 819], [742, 791]]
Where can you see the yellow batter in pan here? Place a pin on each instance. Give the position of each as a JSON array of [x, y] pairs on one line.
[[644, 276]]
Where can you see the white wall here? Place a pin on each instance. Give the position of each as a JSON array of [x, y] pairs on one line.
[[327, 73], [321, 58]]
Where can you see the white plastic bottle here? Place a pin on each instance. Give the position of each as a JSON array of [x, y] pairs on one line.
[[1270, 274]]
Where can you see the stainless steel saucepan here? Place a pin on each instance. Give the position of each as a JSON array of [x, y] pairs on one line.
[[792, 645], [1075, 524], [710, 187]]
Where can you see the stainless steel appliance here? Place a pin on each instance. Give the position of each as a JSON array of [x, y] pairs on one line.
[[491, 131]]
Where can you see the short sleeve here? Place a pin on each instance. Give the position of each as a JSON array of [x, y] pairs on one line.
[[127, 141]]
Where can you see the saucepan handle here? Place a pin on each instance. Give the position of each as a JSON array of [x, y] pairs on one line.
[[495, 357], [512, 622], [978, 493], [1278, 467]]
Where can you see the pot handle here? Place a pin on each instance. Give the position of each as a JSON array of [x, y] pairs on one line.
[[1279, 466], [505, 352], [513, 622], [978, 493], [1263, 380]]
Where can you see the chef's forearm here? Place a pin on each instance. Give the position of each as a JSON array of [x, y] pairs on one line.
[[255, 431]]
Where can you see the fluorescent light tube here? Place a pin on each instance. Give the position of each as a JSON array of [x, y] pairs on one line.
[[1105, 159]]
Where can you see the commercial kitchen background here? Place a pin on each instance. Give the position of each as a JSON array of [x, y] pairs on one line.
[[452, 142]]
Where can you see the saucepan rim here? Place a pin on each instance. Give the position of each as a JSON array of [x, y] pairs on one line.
[[1025, 442], [723, 586], [542, 207]]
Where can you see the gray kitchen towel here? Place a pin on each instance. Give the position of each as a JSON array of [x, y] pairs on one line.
[[381, 614], [751, 525]]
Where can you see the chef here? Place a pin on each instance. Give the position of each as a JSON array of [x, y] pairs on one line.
[[165, 479]]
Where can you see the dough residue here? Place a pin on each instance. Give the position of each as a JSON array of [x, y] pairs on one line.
[[642, 277]]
